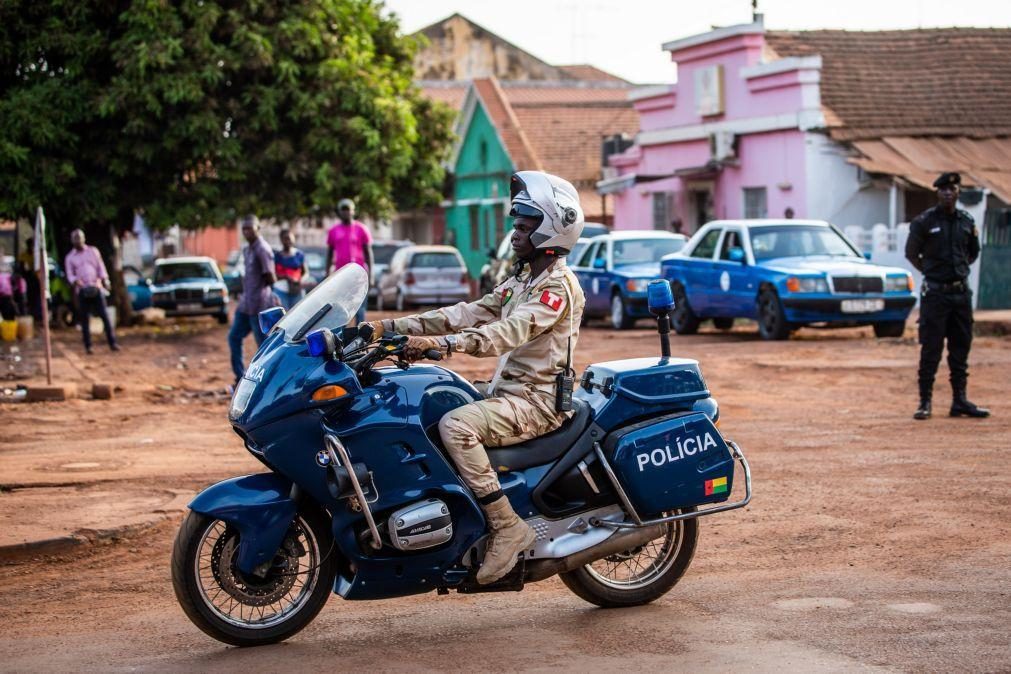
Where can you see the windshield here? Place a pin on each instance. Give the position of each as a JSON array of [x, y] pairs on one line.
[[798, 241], [382, 253], [437, 260], [640, 251], [315, 260], [331, 304], [167, 273]]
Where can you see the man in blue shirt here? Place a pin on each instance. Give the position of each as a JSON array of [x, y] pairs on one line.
[[256, 292]]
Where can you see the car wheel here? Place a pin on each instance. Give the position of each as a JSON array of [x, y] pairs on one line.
[[772, 323], [723, 323], [223, 318], [620, 320], [890, 329], [683, 319]]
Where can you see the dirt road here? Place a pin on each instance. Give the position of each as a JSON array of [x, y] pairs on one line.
[[873, 541]]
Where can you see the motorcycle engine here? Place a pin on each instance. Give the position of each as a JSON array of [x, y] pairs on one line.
[[420, 525]]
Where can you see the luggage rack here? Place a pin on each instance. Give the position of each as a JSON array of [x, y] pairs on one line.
[[637, 522]]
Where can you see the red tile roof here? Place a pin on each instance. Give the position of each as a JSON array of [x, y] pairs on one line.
[[450, 92], [945, 81], [586, 72]]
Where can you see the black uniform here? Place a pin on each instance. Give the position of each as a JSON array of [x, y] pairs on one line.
[[942, 246]]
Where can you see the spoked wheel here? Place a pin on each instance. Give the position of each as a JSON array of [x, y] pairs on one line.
[[246, 609], [640, 575]]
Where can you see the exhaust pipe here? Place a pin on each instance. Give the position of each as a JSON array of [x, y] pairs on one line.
[[621, 540]]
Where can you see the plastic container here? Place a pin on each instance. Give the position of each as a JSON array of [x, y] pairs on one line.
[[8, 331], [26, 328]]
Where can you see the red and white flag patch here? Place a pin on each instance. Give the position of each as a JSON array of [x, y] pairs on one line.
[[551, 300]]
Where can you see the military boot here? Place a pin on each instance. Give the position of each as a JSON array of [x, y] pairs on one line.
[[509, 537], [960, 406], [923, 411]]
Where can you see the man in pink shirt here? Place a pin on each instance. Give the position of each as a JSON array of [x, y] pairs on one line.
[[349, 241], [86, 274]]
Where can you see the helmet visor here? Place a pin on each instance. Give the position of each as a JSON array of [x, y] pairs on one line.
[[525, 211]]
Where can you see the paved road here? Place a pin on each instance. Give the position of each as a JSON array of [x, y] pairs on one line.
[[873, 541]]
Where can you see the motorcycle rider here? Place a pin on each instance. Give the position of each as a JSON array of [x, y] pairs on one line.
[[531, 322]]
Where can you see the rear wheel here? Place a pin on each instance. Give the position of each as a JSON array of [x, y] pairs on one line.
[[640, 575], [244, 609], [683, 319], [890, 329], [723, 323], [620, 320], [772, 323]]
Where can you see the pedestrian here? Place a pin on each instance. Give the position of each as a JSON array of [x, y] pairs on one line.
[[26, 268], [676, 225], [531, 322], [943, 241], [349, 241], [12, 288], [289, 268], [788, 213], [257, 295], [90, 283]]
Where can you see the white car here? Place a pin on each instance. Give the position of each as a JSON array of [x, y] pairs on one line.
[[424, 275]]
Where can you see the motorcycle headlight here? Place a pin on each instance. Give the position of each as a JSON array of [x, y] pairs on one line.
[[240, 399], [898, 283], [636, 285], [806, 285]]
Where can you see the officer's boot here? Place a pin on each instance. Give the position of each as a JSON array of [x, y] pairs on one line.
[[509, 537], [923, 411], [960, 405]]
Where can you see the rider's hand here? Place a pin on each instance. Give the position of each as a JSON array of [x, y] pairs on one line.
[[417, 346], [377, 329]]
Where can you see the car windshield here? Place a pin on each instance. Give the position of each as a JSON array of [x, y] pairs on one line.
[[641, 251], [382, 253], [434, 260], [798, 241], [331, 304], [169, 273]]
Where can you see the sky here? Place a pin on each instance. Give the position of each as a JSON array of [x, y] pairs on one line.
[[625, 37]]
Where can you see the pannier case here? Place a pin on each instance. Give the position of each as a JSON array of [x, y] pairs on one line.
[[675, 462]]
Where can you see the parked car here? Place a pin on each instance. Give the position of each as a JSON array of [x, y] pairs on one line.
[[501, 260], [234, 271], [189, 286], [382, 253], [615, 269], [424, 275], [784, 274], [315, 261], [138, 288]]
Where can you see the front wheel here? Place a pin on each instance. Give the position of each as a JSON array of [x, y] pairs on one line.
[[620, 320], [683, 319], [640, 575], [772, 323], [245, 609], [890, 329]]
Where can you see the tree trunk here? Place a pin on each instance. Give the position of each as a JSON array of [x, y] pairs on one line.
[[105, 237]]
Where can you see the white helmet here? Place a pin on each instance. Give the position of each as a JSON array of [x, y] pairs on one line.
[[554, 202]]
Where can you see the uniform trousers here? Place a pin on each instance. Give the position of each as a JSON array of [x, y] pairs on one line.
[[508, 418], [945, 316]]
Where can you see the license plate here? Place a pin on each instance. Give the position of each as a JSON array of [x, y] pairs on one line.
[[190, 306], [862, 306]]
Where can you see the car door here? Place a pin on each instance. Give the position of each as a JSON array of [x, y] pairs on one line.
[[598, 299], [138, 288], [700, 281], [734, 293]]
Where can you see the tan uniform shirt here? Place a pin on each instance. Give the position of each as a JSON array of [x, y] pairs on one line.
[[527, 322]]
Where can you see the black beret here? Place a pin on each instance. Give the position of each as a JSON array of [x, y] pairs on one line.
[[950, 178]]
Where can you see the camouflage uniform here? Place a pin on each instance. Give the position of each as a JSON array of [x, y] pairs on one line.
[[527, 323]]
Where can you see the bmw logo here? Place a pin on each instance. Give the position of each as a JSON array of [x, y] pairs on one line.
[[322, 458]]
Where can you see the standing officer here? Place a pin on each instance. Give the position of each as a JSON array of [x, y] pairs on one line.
[[943, 242], [531, 322]]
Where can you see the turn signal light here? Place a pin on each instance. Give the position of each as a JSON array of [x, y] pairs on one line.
[[329, 392], [909, 282], [793, 284]]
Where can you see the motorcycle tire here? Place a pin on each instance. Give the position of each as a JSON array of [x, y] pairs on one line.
[[677, 546], [310, 535]]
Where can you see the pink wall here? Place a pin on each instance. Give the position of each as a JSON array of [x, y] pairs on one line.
[[770, 159]]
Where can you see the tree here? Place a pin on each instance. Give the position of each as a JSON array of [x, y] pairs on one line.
[[196, 111]]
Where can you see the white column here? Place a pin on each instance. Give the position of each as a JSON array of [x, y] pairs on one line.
[[893, 205]]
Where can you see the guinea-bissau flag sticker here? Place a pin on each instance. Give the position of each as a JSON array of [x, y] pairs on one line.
[[717, 485]]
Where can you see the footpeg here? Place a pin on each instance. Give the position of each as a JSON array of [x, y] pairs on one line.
[[511, 582]]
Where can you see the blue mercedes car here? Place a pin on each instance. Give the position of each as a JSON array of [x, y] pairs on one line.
[[614, 270], [784, 274]]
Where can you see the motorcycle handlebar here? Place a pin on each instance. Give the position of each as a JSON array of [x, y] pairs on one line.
[[433, 354]]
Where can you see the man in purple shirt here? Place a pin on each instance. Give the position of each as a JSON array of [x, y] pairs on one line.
[[256, 292], [86, 274]]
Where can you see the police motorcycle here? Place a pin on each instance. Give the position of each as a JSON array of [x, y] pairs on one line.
[[360, 499]]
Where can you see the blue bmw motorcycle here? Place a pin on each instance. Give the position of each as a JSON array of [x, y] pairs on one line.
[[359, 497]]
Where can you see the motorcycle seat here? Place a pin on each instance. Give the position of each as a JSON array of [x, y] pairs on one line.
[[543, 449]]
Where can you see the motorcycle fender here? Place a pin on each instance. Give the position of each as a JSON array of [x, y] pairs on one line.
[[259, 506]]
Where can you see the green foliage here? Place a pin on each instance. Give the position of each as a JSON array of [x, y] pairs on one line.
[[196, 110]]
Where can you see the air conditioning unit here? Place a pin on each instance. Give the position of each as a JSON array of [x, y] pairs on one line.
[[722, 146]]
